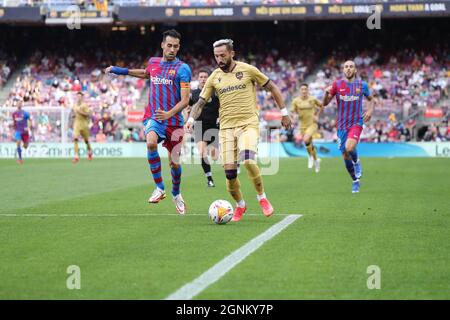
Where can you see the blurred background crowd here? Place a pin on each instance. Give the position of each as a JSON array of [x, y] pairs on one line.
[[409, 80]]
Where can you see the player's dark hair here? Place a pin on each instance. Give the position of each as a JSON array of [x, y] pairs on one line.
[[171, 33], [304, 85], [204, 70]]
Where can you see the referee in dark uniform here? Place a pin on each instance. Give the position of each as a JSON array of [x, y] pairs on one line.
[[206, 128]]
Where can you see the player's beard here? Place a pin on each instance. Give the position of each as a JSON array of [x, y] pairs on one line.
[[170, 57], [225, 67]]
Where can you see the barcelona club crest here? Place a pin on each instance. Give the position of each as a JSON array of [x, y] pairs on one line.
[[358, 90], [171, 72], [239, 75]]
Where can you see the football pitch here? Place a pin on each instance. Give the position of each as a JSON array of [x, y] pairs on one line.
[[95, 215]]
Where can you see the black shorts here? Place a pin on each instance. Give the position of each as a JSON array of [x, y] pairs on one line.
[[207, 132]]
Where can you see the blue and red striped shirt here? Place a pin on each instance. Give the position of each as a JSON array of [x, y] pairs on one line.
[[349, 98], [20, 120], [166, 80]]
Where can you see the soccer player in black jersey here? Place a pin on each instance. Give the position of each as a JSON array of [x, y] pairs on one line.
[[206, 128]]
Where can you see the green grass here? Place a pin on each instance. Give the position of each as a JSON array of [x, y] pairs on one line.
[[399, 222]]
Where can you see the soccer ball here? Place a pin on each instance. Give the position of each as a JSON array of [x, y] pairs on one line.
[[221, 211]]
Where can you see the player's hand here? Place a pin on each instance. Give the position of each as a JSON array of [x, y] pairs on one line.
[[367, 115], [286, 122], [162, 115], [316, 119], [189, 127], [108, 70], [328, 89]]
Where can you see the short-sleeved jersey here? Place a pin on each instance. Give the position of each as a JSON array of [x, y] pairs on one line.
[[349, 98], [305, 109], [167, 78], [20, 118], [210, 111], [236, 91], [81, 120]]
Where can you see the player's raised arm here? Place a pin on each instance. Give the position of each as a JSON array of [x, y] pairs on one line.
[[330, 92], [276, 94], [138, 73]]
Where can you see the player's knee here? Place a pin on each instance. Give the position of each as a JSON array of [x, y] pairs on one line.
[[231, 174], [307, 142], [350, 147], [174, 165], [152, 145], [345, 155], [203, 152], [247, 156]]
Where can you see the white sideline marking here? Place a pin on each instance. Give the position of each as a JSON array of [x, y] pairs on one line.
[[82, 215], [190, 290]]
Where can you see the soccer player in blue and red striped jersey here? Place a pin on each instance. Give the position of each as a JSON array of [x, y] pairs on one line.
[[21, 119], [349, 93], [163, 121]]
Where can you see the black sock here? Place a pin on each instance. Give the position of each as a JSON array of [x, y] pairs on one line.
[[206, 166]]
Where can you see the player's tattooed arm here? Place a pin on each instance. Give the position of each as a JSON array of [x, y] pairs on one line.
[[197, 108], [278, 97], [195, 113]]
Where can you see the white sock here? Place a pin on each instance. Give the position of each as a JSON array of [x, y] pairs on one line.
[[241, 204], [262, 196]]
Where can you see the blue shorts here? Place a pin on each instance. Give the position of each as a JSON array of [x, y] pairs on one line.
[[21, 136], [172, 135], [17, 135], [158, 127], [354, 133]]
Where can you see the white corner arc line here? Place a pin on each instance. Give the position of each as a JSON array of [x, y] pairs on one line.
[[191, 289]]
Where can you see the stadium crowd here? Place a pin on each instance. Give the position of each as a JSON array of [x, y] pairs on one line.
[[405, 83], [8, 63]]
